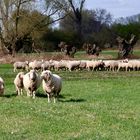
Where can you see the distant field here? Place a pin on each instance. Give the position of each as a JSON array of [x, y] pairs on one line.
[[105, 54], [93, 106], [80, 55]]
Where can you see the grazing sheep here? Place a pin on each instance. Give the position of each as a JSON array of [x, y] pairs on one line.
[[1, 86], [31, 82], [45, 65], [94, 64], [61, 65], [36, 65], [52, 84], [21, 65], [111, 65], [82, 64], [19, 83], [71, 65], [53, 64], [123, 65], [135, 64]]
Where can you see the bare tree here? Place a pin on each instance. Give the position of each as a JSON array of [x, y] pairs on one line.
[[73, 9], [11, 15], [126, 46], [68, 50]]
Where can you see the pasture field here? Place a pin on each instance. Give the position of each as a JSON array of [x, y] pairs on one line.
[[97, 105]]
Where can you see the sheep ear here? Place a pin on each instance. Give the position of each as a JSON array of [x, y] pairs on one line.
[[20, 77]]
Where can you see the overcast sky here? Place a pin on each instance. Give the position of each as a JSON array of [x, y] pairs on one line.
[[118, 8]]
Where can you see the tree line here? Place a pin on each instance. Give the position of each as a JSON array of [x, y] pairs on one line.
[[40, 25]]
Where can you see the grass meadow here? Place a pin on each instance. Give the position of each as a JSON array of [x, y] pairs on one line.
[[96, 105]]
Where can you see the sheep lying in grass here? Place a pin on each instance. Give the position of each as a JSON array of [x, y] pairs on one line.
[[31, 82], [52, 84], [1, 86], [19, 83], [21, 65]]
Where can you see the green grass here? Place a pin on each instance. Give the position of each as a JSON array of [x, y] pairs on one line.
[[93, 106]]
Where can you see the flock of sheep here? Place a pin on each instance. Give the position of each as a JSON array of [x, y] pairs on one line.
[[52, 83], [112, 65], [31, 81]]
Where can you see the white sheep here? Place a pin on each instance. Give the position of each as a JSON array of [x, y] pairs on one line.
[[1, 86], [36, 65], [94, 64], [111, 64], [124, 66], [21, 65], [19, 83], [71, 65], [45, 65], [83, 64], [31, 82], [135, 64], [52, 84], [61, 65]]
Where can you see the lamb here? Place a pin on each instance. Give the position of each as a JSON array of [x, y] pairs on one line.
[[31, 82], [21, 65], [52, 84], [1, 86], [19, 83]]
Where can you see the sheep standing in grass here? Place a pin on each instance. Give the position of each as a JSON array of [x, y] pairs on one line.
[[21, 65], [31, 82], [36, 65], [1, 86], [52, 84], [45, 66], [71, 65], [19, 83]]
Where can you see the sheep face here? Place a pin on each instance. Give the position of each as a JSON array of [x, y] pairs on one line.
[[46, 75], [32, 75]]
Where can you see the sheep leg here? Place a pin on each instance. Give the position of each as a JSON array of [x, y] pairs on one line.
[[28, 93], [33, 94], [17, 90], [48, 97], [54, 99], [118, 69], [21, 91]]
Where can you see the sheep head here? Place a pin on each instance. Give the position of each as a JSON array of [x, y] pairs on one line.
[[32, 75], [46, 75]]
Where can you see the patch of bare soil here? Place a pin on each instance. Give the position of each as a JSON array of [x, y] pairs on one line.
[[9, 59]]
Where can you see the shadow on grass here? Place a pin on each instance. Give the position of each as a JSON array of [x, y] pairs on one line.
[[9, 95], [73, 100], [38, 94]]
